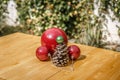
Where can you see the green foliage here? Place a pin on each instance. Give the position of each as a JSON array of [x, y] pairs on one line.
[[114, 5], [2, 9], [44, 14], [75, 17]]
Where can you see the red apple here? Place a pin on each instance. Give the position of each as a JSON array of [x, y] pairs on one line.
[[42, 53], [49, 37], [74, 51]]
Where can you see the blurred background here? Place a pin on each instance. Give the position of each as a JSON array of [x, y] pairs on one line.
[[89, 22]]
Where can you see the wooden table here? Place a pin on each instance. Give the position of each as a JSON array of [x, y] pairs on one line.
[[18, 62]]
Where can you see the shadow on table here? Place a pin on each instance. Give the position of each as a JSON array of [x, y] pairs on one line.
[[81, 57]]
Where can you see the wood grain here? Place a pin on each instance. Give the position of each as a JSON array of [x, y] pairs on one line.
[[18, 62]]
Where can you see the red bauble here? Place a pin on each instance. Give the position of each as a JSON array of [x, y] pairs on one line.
[[48, 38], [74, 51], [42, 53]]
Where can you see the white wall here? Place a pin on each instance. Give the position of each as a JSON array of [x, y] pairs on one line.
[[110, 31]]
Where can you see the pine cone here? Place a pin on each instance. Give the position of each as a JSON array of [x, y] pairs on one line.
[[60, 57]]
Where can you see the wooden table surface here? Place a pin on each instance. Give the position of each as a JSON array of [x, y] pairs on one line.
[[18, 62]]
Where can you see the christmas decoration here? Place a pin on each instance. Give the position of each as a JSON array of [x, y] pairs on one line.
[[74, 52], [59, 39], [42, 53], [60, 57], [49, 37], [54, 46]]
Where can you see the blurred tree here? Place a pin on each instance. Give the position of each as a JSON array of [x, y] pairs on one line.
[[75, 17]]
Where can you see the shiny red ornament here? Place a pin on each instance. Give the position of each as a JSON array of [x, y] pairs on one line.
[[48, 38], [74, 51], [42, 53]]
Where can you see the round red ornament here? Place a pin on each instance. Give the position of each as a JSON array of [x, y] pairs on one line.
[[74, 51], [49, 37], [42, 53]]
